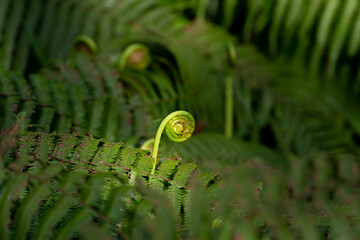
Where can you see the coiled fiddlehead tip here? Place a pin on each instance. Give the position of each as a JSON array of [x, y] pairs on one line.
[[180, 127], [85, 44], [136, 56]]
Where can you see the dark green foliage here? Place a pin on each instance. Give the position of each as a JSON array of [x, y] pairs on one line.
[[87, 154], [113, 25], [321, 35], [290, 172], [210, 147], [70, 183], [50, 202], [74, 98]]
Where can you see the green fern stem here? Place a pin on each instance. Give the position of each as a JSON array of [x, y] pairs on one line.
[[229, 106], [229, 93], [179, 127]]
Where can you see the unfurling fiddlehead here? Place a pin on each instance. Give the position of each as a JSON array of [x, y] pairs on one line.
[[136, 56], [179, 127], [148, 144], [85, 44]]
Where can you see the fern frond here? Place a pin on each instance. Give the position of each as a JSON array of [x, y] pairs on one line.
[[4, 7], [65, 147], [53, 203], [16, 11], [46, 223], [45, 146], [282, 28], [27, 40], [22, 221], [84, 153], [83, 214], [176, 190], [127, 157], [73, 152], [144, 164], [25, 151], [163, 171], [87, 155], [109, 153], [211, 150], [9, 101], [61, 105], [9, 192]]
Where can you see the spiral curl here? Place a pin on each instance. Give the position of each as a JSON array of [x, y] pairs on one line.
[[180, 127], [86, 44], [135, 56]]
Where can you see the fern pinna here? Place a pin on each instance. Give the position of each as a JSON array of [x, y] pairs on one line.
[[69, 183], [87, 95]]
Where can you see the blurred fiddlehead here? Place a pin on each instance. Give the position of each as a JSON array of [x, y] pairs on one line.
[[85, 44], [136, 56], [148, 144], [179, 127]]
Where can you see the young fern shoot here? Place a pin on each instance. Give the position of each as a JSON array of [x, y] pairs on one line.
[[84, 43], [136, 56], [179, 127]]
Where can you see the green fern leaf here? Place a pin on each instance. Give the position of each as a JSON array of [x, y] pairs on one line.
[[64, 149], [9, 192], [176, 190], [22, 51], [83, 215], [45, 146], [127, 157], [22, 221], [84, 153], [60, 208], [8, 40], [9, 99], [341, 33], [3, 9], [163, 171], [144, 164], [107, 156], [25, 151], [354, 42]]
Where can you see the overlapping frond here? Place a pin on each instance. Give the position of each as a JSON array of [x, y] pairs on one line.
[[322, 35], [88, 96], [303, 184], [70, 173]]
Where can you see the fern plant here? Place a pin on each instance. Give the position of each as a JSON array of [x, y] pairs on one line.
[[96, 101], [294, 92], [37, 153], [141, 24], [52, 166], [252, 197], [282, 28]]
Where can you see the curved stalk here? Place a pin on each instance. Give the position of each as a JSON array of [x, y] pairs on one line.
[[179, 127]]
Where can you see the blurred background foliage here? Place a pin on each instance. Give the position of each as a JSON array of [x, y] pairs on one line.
[[290, 169]]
